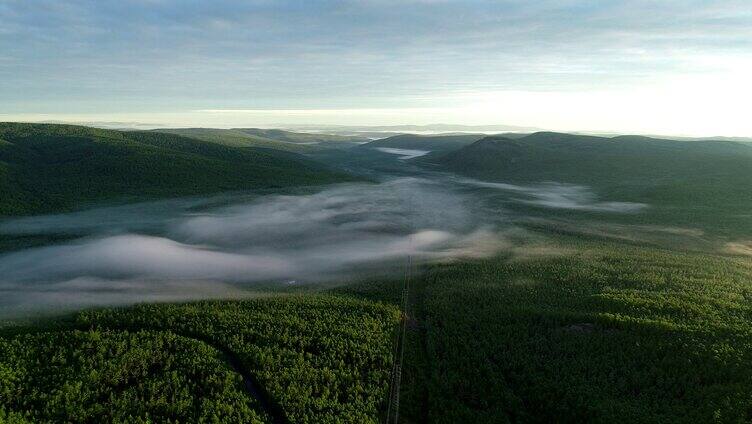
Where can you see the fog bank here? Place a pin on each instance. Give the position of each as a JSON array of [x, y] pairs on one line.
[[137, 252], [192, 248]]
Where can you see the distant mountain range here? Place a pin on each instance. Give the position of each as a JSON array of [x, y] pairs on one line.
[[433, 143], [381, 131]]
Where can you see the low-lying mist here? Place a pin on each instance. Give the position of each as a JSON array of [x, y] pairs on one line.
[[559, 196], [168, 249], [188, 249]]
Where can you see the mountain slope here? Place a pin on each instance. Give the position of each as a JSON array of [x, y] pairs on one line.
[[620, 160], [225, 137], [688, 181], [46, 168], [272, 139]]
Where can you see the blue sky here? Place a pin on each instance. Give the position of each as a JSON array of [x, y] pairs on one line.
[[630, 66]]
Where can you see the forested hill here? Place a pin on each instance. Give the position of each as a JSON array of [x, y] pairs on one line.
[[268, 138], [642, 168], [50, 168]]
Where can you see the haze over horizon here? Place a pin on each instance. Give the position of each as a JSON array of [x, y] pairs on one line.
[[644, 67]]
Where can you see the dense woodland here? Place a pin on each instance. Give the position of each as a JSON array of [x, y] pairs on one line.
[[121, 377], [53, 168], [599, 332], [313, 359]]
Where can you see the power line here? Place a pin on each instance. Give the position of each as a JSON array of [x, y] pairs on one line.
[[394, 397]]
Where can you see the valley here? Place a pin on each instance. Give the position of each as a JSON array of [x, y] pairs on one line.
[[371, 211], [548, 277]]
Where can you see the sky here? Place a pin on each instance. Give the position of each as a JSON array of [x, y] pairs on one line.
[[679, 67]]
